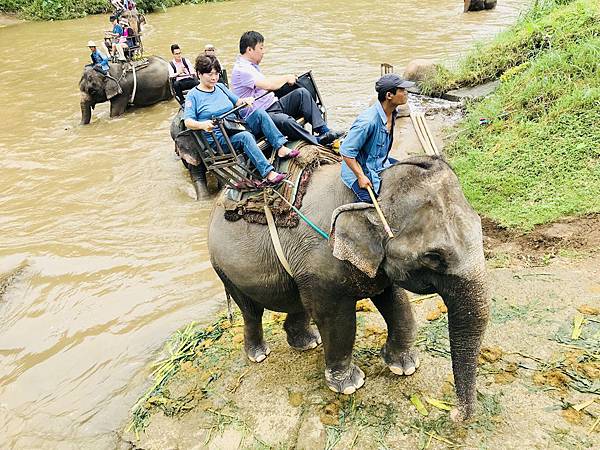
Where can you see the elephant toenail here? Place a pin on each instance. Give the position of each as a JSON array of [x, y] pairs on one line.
[[360, 383], [261, 358], [410, 371], [397, 370], [349, 390]]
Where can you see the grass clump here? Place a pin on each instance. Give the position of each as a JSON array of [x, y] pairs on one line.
[[191, 349], [537, 160]]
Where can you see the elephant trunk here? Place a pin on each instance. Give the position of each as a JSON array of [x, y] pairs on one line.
[[468, 311], [86, 112]]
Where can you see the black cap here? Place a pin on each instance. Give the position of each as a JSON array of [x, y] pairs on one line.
[[390, 81]]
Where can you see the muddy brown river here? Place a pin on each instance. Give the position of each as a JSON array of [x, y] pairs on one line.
[[102, 219]]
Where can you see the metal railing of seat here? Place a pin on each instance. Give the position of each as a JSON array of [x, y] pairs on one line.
[[229, 167]]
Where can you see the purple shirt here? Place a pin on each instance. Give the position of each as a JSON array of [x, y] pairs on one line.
[[243, 79]]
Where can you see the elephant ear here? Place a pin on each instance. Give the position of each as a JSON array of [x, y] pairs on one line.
[[356, 237], [111, 87]]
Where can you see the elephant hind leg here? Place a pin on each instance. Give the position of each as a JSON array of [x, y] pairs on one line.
[[254, 344], [396, 310], [300, 334]]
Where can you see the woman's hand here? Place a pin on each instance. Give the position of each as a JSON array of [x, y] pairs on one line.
[[248, 101], [207, 125]]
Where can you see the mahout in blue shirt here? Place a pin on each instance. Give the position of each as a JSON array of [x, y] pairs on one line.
[[369, 142]]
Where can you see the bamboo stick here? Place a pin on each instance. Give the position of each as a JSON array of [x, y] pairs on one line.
[[430, 136], [386, 226]]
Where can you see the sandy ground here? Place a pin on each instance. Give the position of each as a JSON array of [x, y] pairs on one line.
[[8, 19], [538, 388]]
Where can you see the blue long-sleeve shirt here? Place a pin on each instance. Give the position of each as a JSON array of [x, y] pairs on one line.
[[369, 142], [99, 58]]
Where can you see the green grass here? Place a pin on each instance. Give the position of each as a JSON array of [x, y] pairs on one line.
[[538, 159]]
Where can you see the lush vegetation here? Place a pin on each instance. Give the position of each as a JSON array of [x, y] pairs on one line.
[[537, 156], [68, 9]]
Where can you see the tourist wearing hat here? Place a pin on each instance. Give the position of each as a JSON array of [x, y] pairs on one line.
[[99, 60], [366, 149]]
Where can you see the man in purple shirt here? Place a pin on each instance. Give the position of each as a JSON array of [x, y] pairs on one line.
[[248, 81]]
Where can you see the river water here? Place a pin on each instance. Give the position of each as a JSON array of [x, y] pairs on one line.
[[102, 218]]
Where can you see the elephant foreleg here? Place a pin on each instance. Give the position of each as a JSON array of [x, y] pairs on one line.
[[118, 105], [337, 324], [397, 312], [300, 335]]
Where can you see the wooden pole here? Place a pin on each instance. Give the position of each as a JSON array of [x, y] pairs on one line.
[[430, 136], [386, 226]]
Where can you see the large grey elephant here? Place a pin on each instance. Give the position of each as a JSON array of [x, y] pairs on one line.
[[437, 248], [151, 86]]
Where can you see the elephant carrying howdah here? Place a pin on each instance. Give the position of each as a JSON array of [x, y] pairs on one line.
[[437, 248], [149, 86]]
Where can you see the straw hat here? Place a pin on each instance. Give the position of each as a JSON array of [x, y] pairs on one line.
[[91, 44]]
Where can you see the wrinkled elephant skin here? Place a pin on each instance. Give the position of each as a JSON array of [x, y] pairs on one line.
[[152, 86], [437, 248]]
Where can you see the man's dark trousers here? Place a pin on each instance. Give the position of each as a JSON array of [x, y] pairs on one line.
[[292, 106], [183, 84]]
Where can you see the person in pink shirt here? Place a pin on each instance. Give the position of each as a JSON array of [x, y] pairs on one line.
[[181, 74]]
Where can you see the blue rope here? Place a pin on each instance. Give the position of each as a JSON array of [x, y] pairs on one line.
[[303, 217]]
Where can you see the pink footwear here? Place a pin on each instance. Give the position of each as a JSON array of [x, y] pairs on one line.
[[290, 155], [275, 181]]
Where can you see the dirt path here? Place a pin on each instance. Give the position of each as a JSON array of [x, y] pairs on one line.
[[530, 372], [538, 387]]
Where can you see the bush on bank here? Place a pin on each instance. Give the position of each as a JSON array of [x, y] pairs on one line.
[[538, 158], [69, 9]]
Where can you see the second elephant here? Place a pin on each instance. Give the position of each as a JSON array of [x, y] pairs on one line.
[[151, 85]]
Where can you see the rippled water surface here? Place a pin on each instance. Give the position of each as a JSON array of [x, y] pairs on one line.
[[101, 218]]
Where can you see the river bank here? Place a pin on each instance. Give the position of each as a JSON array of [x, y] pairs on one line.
[[537, 385], [529, 154], [71, 9]]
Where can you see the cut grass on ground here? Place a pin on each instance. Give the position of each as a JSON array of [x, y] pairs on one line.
[[537, 159]]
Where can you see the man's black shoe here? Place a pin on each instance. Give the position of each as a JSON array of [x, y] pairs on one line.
[[329, 137]]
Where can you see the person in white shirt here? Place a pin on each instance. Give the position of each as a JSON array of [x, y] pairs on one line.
[[181, 74]]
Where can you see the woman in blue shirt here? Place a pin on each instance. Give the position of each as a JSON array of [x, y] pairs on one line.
[[211, 99]]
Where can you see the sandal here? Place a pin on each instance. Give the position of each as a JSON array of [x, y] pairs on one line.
[[275, 181], [290, 155]]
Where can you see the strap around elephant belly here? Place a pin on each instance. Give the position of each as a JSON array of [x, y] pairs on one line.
[[276, 242], [134, 84]]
